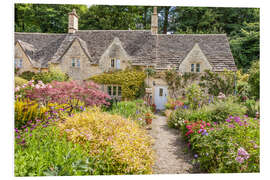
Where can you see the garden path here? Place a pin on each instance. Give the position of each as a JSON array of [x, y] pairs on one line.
[[171, 154]]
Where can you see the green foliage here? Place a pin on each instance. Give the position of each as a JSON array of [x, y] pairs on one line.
[[136, 110], [252, 106], [47, 153], [194, 96], [218, 82], [178, 81], [19, 81], [28, 75], [54, 74], [220, 110], [131, 147], [26, 111], [254, 79], [131, 81], [245, 45]]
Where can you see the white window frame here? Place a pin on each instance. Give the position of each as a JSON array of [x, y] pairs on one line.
[[18, 63], [118, 64]]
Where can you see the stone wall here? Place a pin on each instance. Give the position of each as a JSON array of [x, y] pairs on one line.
[[195, 56], [114, 51], [26, 64], [77, 73]]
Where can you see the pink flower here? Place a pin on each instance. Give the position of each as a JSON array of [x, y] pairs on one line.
[[17, 88], [208, 124]]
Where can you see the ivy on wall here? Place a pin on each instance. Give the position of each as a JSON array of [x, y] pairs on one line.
[[130, 80]]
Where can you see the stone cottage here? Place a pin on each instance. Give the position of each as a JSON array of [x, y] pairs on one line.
[[84, 53]]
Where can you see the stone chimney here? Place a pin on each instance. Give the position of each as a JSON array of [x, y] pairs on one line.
[[72, 21], [154, 22]]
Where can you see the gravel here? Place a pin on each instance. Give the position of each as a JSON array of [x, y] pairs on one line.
[[172, 156]]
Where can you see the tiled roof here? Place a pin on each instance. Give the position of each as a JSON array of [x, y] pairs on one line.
[[161, 51]]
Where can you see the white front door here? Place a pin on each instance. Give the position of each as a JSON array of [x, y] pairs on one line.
[[161, 93]]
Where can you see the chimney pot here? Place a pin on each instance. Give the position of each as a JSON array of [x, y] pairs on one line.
[[154, 22], [72, 21]]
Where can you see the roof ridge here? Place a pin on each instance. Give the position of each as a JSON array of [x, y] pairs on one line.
[[112, 30], [193, 34], [41, 33]]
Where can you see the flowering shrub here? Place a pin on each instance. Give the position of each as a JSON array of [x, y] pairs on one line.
[[130, 146], [173, 104], [67, 92], [232, 146], [194, 96], [27, 112], [54, 74]]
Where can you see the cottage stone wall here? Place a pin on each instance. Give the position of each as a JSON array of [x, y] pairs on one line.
[[85, 70], [114, 51], [195, 56], [26, 64]]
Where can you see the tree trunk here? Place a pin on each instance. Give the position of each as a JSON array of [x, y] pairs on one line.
[[166, 14]]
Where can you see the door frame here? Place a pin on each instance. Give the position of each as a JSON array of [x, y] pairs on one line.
[[156, 95]]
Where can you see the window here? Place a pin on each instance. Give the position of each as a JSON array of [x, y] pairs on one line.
[[18, 63], [110, 90], [192, 67], [112, 63], [160, 92], [117, 63], [197, 67], [114, 90], [119, 91], [73, 62]]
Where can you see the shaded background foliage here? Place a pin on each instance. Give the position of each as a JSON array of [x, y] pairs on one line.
[[240, 24]]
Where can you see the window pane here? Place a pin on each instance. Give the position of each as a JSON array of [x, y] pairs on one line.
[[20, 63], [109, 90], [114, 90], [78, 62], [119, 91], [117, 63], [192, 67], [15, 63], [112, 63], [73, 62], [197, 67], [160, 92]]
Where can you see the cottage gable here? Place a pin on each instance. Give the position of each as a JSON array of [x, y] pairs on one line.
[[114, 57], [76, 62], [195, 57]]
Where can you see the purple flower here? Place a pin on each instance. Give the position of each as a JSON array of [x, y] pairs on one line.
[[200, 130], [239, 159], [18, 137], [37, 120], [231, 126], [44, 126], [205, 132], [50, 117], [196, 155], [16, 130], [228, 120], [26, 130], [237, 119], [30, 135], [243, 153]]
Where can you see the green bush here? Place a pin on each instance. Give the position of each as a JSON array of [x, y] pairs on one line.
[[252, 107], [136, 110], [47, 153], [54, 74], [19, 81], [254, 79], [194, 96], [28, 75], [220, 110]]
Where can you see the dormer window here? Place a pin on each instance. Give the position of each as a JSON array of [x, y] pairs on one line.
[[198, 67], [112, 63], [115, 63], [18, 63], [192, 67], [75, 62]]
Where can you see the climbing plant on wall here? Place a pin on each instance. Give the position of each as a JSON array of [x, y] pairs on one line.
[[130, 80]]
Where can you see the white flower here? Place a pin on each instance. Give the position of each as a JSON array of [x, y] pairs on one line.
[[37, 86], [17, 88]]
